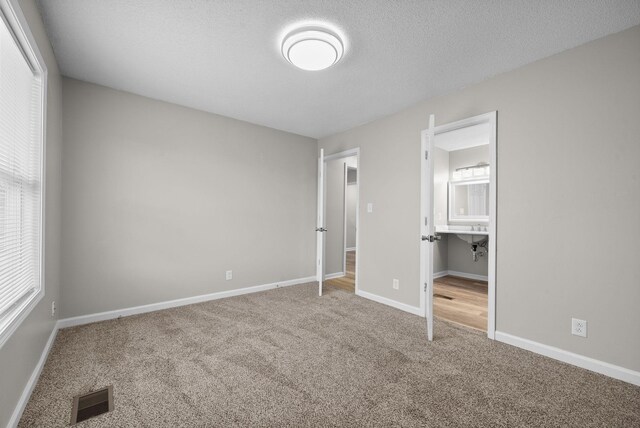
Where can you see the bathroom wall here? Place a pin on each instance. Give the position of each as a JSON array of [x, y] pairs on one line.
[[467, 157], [334, 217], [452, 253], [440, 184], [460, 260], [459, 252], [352, 201], [441, 179], [334, 213]]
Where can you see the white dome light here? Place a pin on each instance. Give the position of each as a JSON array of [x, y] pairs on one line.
[[312, 49]]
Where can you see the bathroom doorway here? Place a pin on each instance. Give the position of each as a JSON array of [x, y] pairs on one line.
[[459, 204], [340, 218]]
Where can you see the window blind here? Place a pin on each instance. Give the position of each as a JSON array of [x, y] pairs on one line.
[[20, 175]]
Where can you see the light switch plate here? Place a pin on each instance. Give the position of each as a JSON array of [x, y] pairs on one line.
[[369, 207]]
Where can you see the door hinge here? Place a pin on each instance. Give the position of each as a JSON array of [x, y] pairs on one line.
[[426, 221], [426, 155]]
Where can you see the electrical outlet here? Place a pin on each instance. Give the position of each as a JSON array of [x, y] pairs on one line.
[[229, 275], [578, 327], [369, 207], [396, 284], [53, 308]]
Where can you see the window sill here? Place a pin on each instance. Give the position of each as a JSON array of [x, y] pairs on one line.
[[10, 322]]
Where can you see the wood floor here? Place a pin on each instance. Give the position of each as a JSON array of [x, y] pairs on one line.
[[461, 300], [347, 282], [456, 299]]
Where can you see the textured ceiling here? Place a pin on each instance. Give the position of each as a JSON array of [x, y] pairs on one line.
[[223, 56]]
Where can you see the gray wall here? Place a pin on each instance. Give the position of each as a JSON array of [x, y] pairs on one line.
[[334, 213], [459, 252], [441, 254], [352, 202], [440, 185], [459, 258], [20, 354], [467, 157], [334, 216], [567, 163], [160, 200]]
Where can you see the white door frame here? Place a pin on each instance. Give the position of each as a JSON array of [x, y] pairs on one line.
[[320, 223], [490, 118], [346, 154], [427, 230]]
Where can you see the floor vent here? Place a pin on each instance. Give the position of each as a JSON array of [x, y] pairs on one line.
[[92, 404], [442, 296]]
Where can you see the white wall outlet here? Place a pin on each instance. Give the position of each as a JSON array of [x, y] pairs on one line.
[[396, 284], [369, 207], [229, 275], [578, 327], [53, 308]]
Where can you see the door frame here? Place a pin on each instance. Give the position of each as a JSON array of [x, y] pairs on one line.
[[320, 223], [339, 155], [492, 119]]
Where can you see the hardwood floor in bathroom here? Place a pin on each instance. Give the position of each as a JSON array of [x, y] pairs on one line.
[[462, 301], [347, 282]]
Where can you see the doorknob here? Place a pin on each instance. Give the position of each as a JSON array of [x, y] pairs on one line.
[[431, 238], [320, 229]]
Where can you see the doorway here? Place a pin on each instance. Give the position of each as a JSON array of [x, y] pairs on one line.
[[338, 221], [459, 222]]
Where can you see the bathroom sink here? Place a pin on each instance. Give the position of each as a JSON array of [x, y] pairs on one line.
[[472, 239], [470, 234]]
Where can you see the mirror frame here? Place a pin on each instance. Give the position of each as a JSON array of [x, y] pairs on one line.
[[466, 219]]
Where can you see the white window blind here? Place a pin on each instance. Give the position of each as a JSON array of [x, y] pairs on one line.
[[20, 177]]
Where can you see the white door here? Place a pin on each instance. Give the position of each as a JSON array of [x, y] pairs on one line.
[[320, 224], [428, 236]]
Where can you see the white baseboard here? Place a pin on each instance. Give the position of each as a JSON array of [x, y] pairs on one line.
[[402, 306], [588, 363], [350, 249], [462, 275], [333, 275], [103, 316], [440, 274], [33, 380]]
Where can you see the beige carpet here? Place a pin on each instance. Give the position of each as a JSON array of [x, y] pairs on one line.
[[289, 358]]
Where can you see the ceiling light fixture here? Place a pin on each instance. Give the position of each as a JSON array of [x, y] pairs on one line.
[[312, 48]]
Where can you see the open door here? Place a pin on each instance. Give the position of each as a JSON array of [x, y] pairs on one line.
[[320, 224], [428, 236]]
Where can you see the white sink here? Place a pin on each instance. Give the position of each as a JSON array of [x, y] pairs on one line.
[[469, 234]]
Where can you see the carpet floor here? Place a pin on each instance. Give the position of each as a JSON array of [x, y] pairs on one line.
[[288, 358]]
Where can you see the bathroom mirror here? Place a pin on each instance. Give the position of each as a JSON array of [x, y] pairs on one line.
[[469, 202]]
